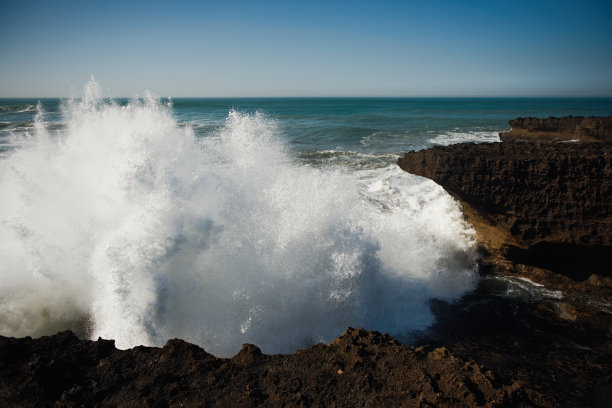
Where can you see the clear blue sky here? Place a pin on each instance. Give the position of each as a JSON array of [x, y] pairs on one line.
[[307, 48]]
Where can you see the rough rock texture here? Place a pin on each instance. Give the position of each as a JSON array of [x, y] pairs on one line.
[[485, 350], [541, 205], [559, 349], [359, 368], [538, 206], [589, 129]]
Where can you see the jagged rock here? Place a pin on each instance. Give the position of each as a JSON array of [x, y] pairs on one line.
[[359, 368], [539, 204]]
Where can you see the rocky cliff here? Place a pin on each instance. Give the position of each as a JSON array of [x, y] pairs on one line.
[[540, 201]]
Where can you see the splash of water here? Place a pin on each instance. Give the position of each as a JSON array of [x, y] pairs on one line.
[[126, 226]]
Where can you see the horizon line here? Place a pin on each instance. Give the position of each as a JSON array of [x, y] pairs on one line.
[[333, 97]]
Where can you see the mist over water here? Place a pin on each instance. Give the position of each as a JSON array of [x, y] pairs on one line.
[[123, 224]]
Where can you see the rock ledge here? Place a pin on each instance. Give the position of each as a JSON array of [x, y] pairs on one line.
[[540, 201]]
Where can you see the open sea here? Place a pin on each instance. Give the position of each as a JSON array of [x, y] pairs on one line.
[[276, 221]]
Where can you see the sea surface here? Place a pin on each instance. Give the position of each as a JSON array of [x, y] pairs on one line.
[[328, 130], [276, 221]]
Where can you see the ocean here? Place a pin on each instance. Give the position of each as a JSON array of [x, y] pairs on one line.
[[275, 221]]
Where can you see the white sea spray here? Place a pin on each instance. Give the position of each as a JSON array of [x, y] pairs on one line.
[[125, 225]]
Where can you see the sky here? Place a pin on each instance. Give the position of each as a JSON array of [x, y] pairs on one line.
[[307, 48]]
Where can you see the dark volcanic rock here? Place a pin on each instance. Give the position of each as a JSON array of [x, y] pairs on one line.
[[560, 347], [359, 368], [540, 204], [484, 351], [584, 129]]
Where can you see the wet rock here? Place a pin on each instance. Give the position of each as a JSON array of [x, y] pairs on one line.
[[539, 206]]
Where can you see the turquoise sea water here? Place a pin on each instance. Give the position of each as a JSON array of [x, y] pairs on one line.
[[338, 128], [277, 222]]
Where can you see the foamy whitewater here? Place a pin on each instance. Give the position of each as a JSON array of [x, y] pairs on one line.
[[123, 224]]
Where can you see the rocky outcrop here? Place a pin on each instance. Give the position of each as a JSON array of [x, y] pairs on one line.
[[359, 368], [484, 350], [539, 206], [577, 128]]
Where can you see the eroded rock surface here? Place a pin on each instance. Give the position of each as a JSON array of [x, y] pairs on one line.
[[359, 368], [575, 128], [539, 205]]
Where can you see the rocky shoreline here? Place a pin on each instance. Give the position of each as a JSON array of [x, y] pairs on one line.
[[540, 201], [359, 368], [541, 204]]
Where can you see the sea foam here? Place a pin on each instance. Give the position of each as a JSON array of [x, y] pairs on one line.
[[465, 137], [123, 224]]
